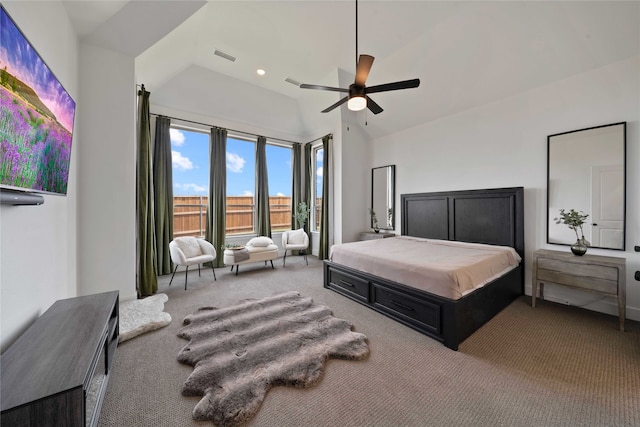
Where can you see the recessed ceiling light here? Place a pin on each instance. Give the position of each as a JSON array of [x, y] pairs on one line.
[[261, 72]]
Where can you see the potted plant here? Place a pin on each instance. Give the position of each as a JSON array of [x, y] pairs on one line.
[[301, 214], [374, 220], [575, 220]]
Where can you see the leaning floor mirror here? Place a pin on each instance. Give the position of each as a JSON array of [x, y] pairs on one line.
[[586, 171], [383, 195]]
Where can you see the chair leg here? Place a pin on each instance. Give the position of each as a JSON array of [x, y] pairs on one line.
[[237, 269], [284, 260], [199, 271], [185, 277], [272, 267], [305, 258], [174, 273], [214, 272]]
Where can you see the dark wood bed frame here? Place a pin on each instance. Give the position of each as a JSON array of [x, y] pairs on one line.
[[493, 216]]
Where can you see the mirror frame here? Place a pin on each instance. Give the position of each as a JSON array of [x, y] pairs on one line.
[[624, 182], [392, 182]]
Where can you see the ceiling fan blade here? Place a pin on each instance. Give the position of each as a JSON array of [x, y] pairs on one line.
[[334, 89], [373, 106], [405, 84], [337, 104], [363, 68]]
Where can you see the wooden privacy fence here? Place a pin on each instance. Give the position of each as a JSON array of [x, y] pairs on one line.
[[190, 215]]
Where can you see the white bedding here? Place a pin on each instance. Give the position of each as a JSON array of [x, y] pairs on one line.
[[446, 268]]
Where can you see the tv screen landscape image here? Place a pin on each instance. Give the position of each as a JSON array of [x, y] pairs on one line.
[[36, 118]]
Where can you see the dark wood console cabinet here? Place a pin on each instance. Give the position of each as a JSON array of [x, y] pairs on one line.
[[56, 373]]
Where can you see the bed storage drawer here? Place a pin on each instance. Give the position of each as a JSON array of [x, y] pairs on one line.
[[400, 305], [348, 284]]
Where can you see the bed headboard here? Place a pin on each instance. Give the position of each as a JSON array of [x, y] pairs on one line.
[[493, 216]]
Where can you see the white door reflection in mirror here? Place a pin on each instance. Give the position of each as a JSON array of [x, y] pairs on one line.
[[607, 202]]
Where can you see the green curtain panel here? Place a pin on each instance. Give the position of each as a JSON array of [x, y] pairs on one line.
[[263, 220], [323, 251], [296, 188], [163, 192], [147, 278], [309, 178], [217, 203]]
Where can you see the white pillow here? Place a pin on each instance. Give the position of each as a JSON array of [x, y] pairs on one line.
[[260, 242], [297, 237]]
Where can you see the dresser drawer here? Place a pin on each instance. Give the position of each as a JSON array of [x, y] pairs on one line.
[[589, 277], [585, 270], [346, 283], [407, 308]]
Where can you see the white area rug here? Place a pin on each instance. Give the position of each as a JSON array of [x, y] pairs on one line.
[[142, 315]]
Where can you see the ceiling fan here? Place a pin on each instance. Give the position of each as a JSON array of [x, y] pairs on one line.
[[357, 99]]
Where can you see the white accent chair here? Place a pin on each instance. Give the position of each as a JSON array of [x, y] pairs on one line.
[[295, 240], [189, 251]]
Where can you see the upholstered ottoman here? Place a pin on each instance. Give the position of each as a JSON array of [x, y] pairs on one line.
[[257, 249]]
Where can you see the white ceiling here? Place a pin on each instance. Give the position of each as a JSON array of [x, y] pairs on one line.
[[466, 54]]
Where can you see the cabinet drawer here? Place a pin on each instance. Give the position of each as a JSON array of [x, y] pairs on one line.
[[579, 269], [398, 305], [346, 283], [591, 277], [580, 282]]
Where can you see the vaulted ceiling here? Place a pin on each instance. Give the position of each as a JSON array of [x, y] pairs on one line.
[[466, 54]]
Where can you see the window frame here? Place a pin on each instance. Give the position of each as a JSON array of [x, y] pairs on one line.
[[316, 210], [290, 148], [254, 216], [202, 206]]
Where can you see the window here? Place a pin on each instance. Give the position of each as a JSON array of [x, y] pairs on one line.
[[190, 160], [280, 183], [318, 153], [190, 166], [241, 184]]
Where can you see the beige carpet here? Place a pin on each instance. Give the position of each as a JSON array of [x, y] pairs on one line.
[[550, 366]]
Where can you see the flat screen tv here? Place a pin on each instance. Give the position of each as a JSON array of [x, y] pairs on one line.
[[36, 118]]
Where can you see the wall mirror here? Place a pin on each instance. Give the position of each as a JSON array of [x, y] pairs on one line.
[[383, 195], [586, 171]]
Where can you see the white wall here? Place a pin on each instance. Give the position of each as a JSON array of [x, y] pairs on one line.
[[38, 243], [504, 145], [107, 163]]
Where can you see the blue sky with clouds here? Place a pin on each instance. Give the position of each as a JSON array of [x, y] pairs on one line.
[[190, 156]]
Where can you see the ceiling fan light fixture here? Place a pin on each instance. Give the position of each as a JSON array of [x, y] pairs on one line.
[[357, 103]]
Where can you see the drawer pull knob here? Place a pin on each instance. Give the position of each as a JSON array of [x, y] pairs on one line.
[[406, 307], [342, 282]]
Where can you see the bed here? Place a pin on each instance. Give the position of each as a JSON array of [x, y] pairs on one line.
[[491, 216]]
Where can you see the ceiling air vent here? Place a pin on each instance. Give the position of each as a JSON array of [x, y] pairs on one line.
[[226, 56], [292, 81]]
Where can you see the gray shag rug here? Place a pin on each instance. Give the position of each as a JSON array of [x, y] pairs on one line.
[[142, 315], [240, 352]]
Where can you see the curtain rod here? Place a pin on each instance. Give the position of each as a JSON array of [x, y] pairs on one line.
[[233, 130]]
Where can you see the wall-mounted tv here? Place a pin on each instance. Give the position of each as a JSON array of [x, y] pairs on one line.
[[36, 118]]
